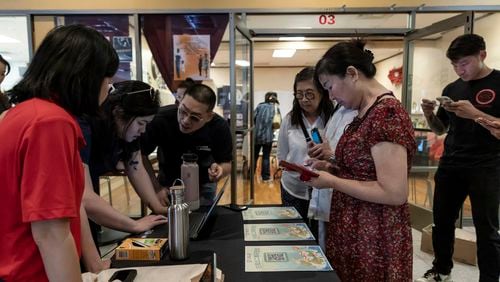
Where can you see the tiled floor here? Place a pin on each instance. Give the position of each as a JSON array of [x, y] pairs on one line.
[[423, 261]]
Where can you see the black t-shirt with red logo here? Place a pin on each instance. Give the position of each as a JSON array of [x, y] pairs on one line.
[[468, 144]]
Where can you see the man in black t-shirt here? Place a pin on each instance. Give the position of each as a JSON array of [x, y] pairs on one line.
[[192, 127], [470, 165]]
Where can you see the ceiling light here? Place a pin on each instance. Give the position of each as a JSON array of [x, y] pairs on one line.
[[6, 39], [283, 53], [242, 63], [298, 38]]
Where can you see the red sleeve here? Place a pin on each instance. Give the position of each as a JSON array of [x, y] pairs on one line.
[[52, 170], [391, 123]]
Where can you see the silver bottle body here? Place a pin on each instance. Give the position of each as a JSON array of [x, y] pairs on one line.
[[178, 226]]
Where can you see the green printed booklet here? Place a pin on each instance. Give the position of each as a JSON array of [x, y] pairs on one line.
[[285, 258], [277, 232], [271, 213]]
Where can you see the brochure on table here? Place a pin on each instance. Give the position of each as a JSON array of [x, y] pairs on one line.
[[270, 213], [277, 232], [285, 258]]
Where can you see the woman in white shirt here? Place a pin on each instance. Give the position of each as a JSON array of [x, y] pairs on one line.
[[312, 108]]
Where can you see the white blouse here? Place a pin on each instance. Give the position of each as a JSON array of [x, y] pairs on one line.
[[319, 206], [292, 147]]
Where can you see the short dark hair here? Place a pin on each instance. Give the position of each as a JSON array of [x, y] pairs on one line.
[[188, 82], [325, 107], [69, 68], [271, 97], [344, 54], [4, 103], [6, 63], [202, 94], [465, 45]]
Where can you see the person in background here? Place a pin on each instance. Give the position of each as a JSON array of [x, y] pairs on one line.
[[470, 164], [44, 226], [112, 145], [4, 71], [192, 127], [181, 89], [311, 109], [369, 233], [264, 133]]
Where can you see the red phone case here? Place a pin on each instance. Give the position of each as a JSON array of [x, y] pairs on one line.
[[305, 173]]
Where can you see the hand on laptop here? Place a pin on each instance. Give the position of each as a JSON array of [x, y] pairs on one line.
[[215, 172], [148, 222]]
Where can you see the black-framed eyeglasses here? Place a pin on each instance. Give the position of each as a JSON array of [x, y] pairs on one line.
[[183, 114], [309, 94]]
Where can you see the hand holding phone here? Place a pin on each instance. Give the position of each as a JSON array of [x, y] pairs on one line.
[[305, 173], [316, 137], [444, 100]]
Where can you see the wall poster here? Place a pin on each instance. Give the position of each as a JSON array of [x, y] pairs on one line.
[[191, 56]]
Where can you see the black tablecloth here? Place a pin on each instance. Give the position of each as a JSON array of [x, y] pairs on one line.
[[224, 236]]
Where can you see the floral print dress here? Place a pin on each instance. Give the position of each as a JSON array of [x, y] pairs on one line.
[[368, 241]]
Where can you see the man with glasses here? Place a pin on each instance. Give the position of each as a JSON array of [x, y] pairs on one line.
[[191, 127]]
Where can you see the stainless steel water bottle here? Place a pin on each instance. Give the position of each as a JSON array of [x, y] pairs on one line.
[[178, 224], [190, 177]]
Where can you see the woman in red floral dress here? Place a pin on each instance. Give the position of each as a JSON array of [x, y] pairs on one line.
[[369, 234]]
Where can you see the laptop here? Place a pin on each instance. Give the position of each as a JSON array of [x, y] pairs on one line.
[[198, 218]]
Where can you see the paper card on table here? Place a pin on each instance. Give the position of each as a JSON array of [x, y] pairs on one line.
[[277, 232], [285, 258], [271, 213]]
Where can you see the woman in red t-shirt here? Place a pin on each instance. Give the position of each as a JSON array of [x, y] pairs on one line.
[[41, 173]]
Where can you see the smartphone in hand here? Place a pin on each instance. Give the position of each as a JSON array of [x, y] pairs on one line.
[[316, 137], [443, 100], [305, 173]]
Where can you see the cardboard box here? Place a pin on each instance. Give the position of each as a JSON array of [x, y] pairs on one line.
[[141, 249], [465, 244]]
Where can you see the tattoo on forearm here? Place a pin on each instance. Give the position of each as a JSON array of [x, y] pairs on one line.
[[133, 164], [436, 124]]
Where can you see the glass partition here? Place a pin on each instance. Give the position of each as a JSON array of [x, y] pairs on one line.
[[243, 133], [429, 71]]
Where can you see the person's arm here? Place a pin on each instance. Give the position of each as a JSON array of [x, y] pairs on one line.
[[90, 256], [102, 213], [141, 181], [435, 124], [391, 186], [161, 192], [492, 125], [57, 249], [464, 109]]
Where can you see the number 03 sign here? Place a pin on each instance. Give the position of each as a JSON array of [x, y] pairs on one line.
[[326, 19]]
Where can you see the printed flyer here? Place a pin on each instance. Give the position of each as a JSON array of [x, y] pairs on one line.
[[285, 258], [277, 232], [271, 213]]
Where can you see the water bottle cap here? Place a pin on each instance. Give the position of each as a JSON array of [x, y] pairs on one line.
[[189, 157]]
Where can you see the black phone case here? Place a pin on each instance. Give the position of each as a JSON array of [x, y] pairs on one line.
[[126, 275]]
